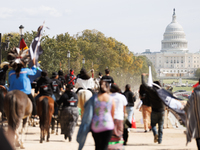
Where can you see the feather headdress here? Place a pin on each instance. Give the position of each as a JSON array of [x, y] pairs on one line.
[[17, 57]]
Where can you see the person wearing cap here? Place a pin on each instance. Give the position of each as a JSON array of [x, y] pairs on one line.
[[69, 113], [61, 78], [84, 81], [3, 72]]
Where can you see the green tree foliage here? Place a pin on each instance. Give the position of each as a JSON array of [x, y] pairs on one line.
[[197, 73], [98, 50]]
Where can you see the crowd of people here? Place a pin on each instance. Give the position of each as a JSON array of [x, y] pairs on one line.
[[109, 112]]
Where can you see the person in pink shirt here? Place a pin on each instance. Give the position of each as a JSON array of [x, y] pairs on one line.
[[102, 122]]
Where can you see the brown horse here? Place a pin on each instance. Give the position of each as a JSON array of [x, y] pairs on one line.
[[17, 107], [45, 110]]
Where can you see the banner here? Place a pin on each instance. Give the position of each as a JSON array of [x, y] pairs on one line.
[[173, 104]]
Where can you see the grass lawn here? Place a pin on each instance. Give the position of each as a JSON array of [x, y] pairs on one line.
[[183, 81], [170, 81]]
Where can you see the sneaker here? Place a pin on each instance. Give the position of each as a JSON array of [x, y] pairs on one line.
[[145, 131], [156, 138]]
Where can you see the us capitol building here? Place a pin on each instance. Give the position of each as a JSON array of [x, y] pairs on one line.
[[174, 59]]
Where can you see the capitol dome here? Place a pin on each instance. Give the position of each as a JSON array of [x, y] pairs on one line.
[[174, 37]]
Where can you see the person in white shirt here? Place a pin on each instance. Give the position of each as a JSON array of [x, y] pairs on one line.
[[84, 81], [120, 108]]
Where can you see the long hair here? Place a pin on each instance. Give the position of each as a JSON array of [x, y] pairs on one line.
[[84, 75], [104, 87], [18, 59]]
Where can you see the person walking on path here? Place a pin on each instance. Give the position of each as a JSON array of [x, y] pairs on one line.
[[102, 124], [69, 113], [120, 108], [131, 100], [146, 108], [107, 77], [158, 110], [192, 110]]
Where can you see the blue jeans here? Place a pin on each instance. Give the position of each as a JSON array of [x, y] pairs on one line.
[[130, 112], [157, 117]]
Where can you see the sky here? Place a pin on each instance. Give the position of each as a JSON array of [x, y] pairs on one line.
[[138, 24]]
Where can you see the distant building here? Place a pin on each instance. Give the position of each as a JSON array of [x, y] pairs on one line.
[[174, 59]]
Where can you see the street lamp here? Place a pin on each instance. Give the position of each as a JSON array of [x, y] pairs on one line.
[[68, 56], [21, 27], [83, 61]]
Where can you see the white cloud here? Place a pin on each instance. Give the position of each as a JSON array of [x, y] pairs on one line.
[[6, 12], [30, 12]]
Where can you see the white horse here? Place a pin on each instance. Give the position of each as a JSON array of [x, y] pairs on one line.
[[83, 96]]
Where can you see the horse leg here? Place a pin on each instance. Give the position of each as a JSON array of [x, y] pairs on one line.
[[17, 142], [52, 125], [48, 135], [22, 133], [41, 135], [57, 127]]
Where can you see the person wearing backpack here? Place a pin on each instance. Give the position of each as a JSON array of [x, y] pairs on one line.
[[70, 78]]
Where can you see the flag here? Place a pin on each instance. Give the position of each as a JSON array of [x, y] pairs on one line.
[[35, 48], [195, 85], [173, 104], [22, 45]]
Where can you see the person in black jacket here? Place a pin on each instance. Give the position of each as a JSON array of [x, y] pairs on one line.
[[69, 114], [158, 110], [44, 85], [146, 108], [131, 99]]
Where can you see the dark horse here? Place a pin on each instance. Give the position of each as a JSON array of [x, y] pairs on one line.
[[3, 93], [45, 110], [17, 107]]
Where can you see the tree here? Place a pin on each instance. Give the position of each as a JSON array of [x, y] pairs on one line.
[[197, 73]]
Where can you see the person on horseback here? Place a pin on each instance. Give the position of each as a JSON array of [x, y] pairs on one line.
[[3, 72], [44, 86], [84, 81], [61, 78], [70, 78], [18, 76]]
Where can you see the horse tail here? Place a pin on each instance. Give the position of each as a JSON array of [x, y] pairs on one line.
[[45, 108], [13, 119]]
